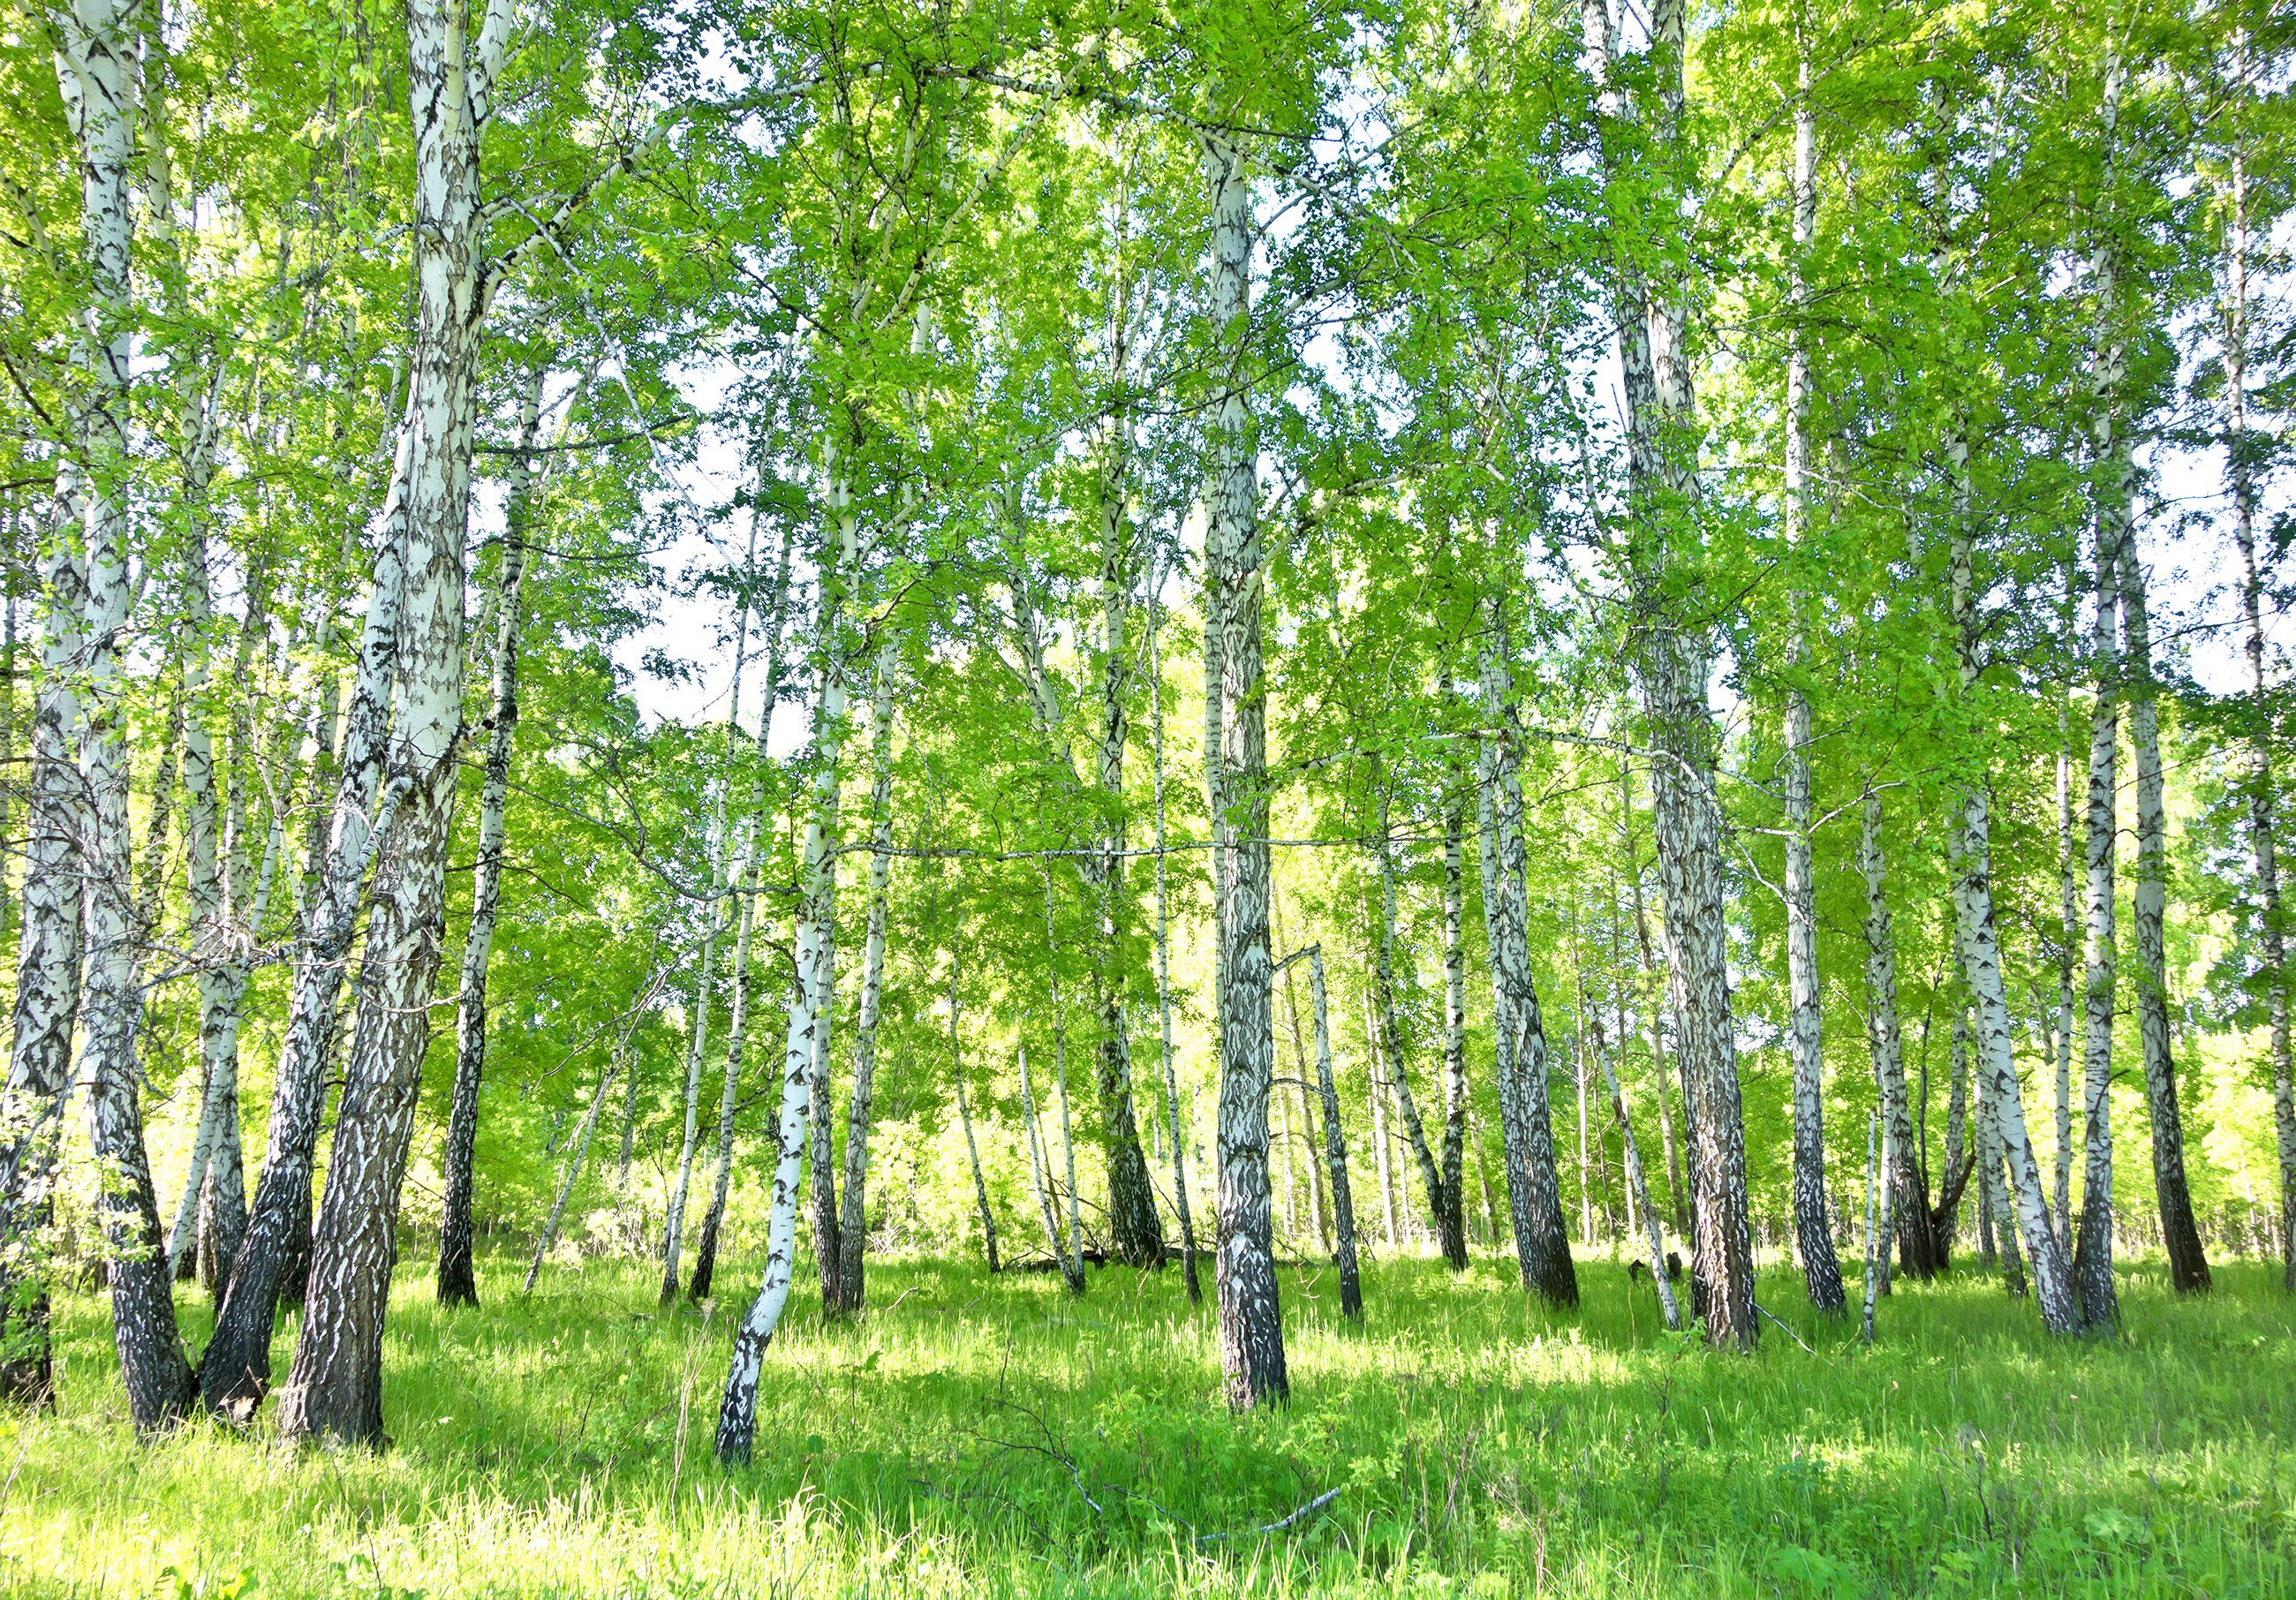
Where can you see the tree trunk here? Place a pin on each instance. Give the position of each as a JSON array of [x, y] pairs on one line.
[[1251, 1321], [673, 1222], [852, 1225], [1970, 844], [1040, 1180], [1631, 1156], [1378, 1098], [335, 1388], [1992, 1199], [2068, 942], [1451, 1221], [1821, 1269], [2093, 1243], [2241, 456], [457, 1281], [46, 1009], [809, 1007], [235, 1370], [1164, 962], [1390, 1033], [1335, 1144], [737, 1033], [729, 1092], [1918, 1251], [2188, 1265], [1138, 1234], [1673, 664], [964, 1117], [573, 1172]]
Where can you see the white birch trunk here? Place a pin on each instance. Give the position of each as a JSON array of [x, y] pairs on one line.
[[2262, 823], [1335, 1144], [1252, 1322], [852, 1223], [1164, 959], [334, 1389], [457, 1276]]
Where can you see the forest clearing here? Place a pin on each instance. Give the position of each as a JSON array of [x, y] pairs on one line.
[[989, 1436], [1087, 796]]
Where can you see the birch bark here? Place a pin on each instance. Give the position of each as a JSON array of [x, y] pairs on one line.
[[1164, 958], [457, 1279], [334, 1389], [2240, 454], [2188, 1264], [1251, 1323], [1335, 1144], [1919, 1253], [852, 1225]]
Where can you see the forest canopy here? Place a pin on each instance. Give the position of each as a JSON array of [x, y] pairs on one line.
[[741, 644]]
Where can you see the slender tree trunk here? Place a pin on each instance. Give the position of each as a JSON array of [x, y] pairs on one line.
[[729, 1091], [1918, 1251], [673, 1222], [1164, 958], [1994, 1195], [821, 1133], [964, 1117], [852, 1226], [1986, 1156], [1391, 1031], [1631, 1157], [1335, 1144], [1821, 1270], [737, 1034], [2188, 1264], [2263, 838], [1526, 1117], [573, 1172], [2093, 1242], [1674, 662], [810, 1001], [2068, 942], [1386, 1146], [1971, 841], [1040, 1180], [1451, 1220], [97, 74], [457, 1281], [1252, 1322]]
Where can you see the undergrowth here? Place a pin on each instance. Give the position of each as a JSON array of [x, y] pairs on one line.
[[990, 1436]]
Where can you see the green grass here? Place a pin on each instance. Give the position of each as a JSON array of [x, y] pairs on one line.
[[1479, 1446]]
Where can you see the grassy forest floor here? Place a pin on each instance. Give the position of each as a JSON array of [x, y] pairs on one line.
[[988, 1436]]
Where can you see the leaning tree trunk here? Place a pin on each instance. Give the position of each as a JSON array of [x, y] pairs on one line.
[[1918, 1251], [1251, 1319], [235, 1370], [334, 1390], [1164, 964], [1991, 1199], [852, 1222], [1335, 1144], [1040, 1184], [1653, 1240], [737, 1032], [2263, 839], [1821, 1269], [809, 1001], [573, 1173], [457, 1281], [1971, 842], [2188, 1265]]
